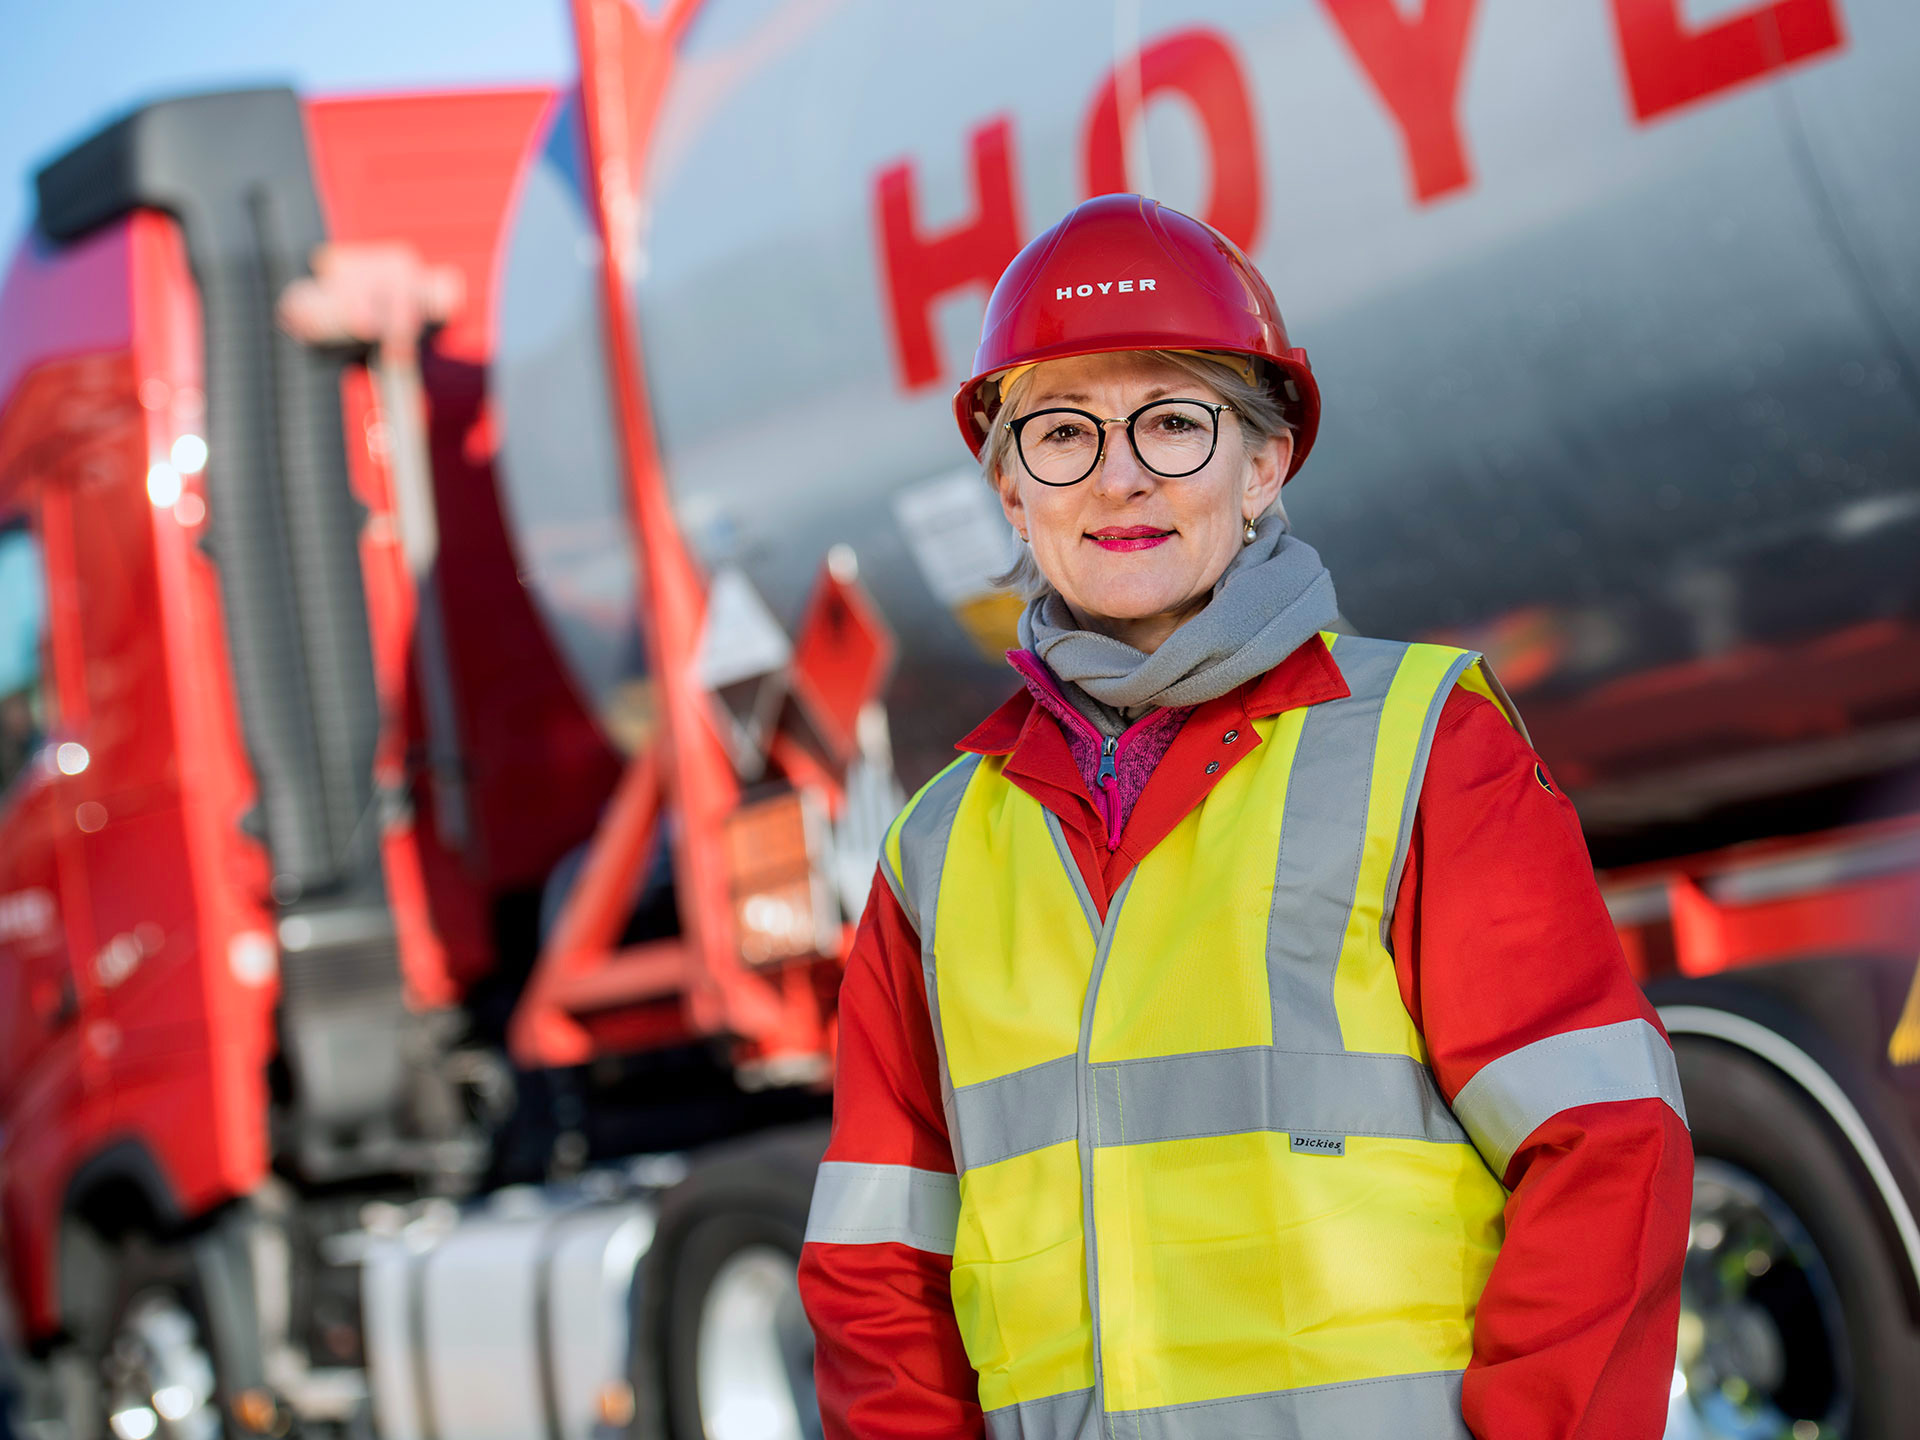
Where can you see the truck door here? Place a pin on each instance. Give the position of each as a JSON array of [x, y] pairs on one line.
[[38, 998], [146, 1010]]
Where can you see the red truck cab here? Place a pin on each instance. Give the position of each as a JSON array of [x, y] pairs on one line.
[[122, 857]]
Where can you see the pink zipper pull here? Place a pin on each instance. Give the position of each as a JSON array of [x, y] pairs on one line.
[[1107, 780]]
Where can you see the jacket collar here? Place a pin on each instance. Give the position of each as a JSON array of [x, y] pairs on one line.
[[1308, 676]]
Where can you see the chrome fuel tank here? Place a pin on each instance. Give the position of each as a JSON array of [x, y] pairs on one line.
[[511, 1321]]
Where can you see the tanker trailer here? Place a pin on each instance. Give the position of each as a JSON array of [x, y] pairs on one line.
[[1620, 402], [1617, 332]]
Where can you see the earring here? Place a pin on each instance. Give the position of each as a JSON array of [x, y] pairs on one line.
[[1250, 535]]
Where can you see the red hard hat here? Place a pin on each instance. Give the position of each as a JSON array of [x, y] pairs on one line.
[[1122, 272]]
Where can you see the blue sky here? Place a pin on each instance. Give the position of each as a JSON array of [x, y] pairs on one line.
[[21, 589], [66, 66]]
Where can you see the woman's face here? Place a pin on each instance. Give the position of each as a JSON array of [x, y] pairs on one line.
[[1134, 554]]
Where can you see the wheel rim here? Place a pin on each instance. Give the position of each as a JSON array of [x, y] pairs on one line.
[[1763, 1340], [755, 1370], [159, 1374]]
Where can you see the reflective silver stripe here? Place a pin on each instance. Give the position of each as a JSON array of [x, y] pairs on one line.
[[1071, 866], [1057, 1417], [923, 844], [1416, 779], [899, 892], [1393, 1407], [1215, 1092], [1322, 831], [1511, 1097], [923, 857], [1088, 1098], [1229, 1092], [884, 1204], [1012, 1114]]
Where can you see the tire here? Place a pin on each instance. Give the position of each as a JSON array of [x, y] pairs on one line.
[[9, 1389], [733, 1345], [158, 1374], [1794, 1323], [171, 1350]]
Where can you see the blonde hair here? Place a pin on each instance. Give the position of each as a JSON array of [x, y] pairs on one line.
[[1261, 420]]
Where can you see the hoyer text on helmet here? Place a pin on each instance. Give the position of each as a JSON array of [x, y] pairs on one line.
[[1068, 292]]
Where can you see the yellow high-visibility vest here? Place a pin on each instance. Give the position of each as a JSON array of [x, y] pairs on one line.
[[1207, 1182]]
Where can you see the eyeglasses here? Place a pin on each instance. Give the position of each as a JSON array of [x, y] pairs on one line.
[[1171, 438]]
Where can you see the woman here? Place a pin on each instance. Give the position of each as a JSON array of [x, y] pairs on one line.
[[1235, 1043]]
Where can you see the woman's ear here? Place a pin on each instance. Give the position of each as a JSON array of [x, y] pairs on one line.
[[1267, 472], [1011, 503]]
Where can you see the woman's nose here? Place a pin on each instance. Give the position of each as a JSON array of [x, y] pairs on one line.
[[1119, 472]]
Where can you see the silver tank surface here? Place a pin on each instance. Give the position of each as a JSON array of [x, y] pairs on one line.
[[1629, 403], [508, 1322]]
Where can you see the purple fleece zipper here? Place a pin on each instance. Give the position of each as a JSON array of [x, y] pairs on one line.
[[1105, 783]]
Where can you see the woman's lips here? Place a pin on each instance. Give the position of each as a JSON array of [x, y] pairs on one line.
[[1130, 537]]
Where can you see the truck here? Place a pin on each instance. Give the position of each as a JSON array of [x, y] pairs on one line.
[[478, 570]]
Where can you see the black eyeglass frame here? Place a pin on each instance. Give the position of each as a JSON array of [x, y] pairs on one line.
[[1017, 426]]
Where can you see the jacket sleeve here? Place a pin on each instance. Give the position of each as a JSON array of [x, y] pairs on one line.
[[1560, 1072], [875, 1269]]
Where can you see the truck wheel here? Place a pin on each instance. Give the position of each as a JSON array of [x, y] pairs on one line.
[[157, 1375], [1792, 1322], [737, 1350], [173, 1344]]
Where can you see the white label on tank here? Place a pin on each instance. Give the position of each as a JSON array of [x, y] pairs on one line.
[[957, 533]]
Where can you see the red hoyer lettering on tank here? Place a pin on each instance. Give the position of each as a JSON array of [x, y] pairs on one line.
[[1105, 287], [1413, 59]]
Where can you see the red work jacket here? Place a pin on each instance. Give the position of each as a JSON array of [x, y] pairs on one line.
[[1500, 939]]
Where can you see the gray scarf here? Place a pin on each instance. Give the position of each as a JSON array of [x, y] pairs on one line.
[[1273, 596]]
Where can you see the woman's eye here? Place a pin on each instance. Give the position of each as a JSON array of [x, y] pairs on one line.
[[1065, 434]]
